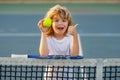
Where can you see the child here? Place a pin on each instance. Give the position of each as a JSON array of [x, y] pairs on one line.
[[62, 37]]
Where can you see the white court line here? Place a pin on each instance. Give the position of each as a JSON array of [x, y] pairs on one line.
[[101, 34], [19, 34], [38, 34]]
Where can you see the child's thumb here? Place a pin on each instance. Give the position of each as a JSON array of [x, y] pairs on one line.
[[76, 25]]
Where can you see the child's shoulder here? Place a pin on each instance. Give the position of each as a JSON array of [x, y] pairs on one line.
[[68, 35]]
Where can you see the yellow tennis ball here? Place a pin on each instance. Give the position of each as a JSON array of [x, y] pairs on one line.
[[47, 22]]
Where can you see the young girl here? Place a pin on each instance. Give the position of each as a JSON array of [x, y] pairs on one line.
[[62, 37]]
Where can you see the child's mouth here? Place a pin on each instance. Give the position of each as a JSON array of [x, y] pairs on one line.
[[60, 28]]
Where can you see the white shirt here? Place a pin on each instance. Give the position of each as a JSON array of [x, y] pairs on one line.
[[61, 47]]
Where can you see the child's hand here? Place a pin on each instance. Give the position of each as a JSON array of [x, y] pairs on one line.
[[41, 27], [72, 30]]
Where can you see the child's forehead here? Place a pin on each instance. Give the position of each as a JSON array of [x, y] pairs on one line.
[[58, 16]]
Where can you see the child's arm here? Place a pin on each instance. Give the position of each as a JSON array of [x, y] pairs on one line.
[[74, 51], [43, 49], [75, 45], [43, 45]]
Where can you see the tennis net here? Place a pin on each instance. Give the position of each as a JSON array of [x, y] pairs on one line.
[[59, 69]]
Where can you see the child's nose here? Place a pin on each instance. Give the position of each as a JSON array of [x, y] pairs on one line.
[[60, 22]]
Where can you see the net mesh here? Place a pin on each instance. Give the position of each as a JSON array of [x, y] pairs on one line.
[[111, 73], [63, 69], [15, 72]]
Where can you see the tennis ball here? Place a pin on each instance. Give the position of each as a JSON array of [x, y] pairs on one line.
[[47, 22]]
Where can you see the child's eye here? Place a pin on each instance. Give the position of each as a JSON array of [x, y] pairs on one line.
[[56, 20], [64, 20]]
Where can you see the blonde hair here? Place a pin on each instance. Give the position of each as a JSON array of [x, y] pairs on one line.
[[61, 11]]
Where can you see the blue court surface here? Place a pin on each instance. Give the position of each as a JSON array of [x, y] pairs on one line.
[[99, 33]]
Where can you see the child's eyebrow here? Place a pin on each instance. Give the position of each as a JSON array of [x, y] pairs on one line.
[[55, 18]]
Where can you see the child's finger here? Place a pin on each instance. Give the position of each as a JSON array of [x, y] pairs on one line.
[[76, 25], [40, 22]]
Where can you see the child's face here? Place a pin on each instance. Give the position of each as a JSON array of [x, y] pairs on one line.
[[59, 25]]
